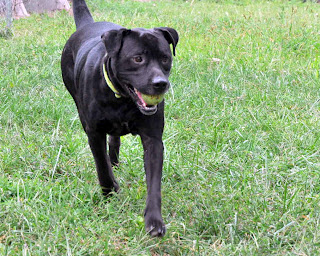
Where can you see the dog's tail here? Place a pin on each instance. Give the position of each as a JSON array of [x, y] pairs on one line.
[[81, 13]]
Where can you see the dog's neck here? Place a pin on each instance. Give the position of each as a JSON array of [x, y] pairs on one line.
[[107, 77]]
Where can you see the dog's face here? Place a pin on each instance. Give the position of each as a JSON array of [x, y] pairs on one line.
[[141, 61]]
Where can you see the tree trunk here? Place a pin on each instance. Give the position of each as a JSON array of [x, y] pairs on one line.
[[19, 10]]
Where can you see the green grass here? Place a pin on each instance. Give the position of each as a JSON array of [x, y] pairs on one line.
[[242, 149]]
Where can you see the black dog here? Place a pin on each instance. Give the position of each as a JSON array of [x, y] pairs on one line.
[[117, 78]]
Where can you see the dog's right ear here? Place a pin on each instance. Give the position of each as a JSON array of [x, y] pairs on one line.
[[113, 40]]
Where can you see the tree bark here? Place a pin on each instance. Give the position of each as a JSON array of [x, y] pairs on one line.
[[19, 10]]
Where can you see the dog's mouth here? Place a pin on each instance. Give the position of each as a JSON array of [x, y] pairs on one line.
[[147, 104]]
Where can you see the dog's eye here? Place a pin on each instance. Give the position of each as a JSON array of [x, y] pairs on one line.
[[138, 59], [165, 59]]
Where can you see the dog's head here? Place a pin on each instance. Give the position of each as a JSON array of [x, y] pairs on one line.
[[139, 63]]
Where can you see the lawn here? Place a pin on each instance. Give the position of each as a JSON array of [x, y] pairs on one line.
[[242, 140]]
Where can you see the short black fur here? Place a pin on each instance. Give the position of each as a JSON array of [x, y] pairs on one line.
[[138, 62]]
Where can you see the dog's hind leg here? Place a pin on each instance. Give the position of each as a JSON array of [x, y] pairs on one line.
[[114, 147], [97, 142]]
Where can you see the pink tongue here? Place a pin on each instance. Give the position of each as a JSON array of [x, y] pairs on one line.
[[140, 97]]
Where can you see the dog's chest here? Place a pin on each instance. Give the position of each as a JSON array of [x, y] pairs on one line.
[[118, 123], [122, 128]]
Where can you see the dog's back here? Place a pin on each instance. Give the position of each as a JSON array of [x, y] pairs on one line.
[[81, 43]]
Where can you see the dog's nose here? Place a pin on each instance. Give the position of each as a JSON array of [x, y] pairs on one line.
[[159, 83]]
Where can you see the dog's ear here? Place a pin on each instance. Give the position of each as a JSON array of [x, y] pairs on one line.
[[171, 35], [113, 40]]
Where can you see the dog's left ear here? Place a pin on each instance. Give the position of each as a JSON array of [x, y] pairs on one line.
[[171, 35]]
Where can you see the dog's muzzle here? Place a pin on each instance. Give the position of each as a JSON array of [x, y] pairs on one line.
[[147, 104]]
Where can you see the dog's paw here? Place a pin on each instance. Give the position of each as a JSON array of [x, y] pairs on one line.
[[108, 190], [156, 232], [155, 226]]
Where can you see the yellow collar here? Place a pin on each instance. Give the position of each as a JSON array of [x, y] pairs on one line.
[[109, 83]]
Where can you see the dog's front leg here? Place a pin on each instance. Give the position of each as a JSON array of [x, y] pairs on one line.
[[153, 161], [97, 142]]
